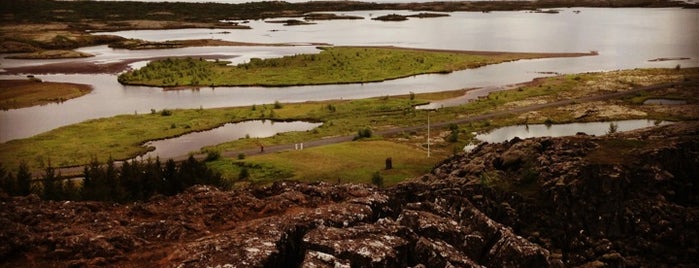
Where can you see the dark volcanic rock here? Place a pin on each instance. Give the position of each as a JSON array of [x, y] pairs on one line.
[[623, 200]]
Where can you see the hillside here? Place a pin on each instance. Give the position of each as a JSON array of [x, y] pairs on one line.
[[622, 200]]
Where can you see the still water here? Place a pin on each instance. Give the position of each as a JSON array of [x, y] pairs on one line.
[[192, 142], [559, 130], [624, 38]]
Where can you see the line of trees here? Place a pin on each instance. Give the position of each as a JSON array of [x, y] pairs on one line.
[[132, 181]]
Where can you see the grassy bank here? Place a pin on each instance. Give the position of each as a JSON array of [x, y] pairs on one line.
[[333, 65], [16, 94]]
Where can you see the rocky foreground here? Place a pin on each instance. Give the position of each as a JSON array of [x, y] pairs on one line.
[[621, 200]]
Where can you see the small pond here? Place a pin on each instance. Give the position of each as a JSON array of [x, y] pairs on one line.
[[183, 145], [665, 102], [540, 130]]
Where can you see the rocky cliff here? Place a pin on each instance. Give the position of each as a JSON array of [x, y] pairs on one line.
[[620, 200]]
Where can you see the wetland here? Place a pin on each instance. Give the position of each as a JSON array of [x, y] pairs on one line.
[[340, 133]]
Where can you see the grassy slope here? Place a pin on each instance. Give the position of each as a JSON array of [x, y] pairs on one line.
[[333, 65], [26, 93]]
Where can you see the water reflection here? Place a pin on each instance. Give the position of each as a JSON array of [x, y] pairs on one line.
[[182, 145]]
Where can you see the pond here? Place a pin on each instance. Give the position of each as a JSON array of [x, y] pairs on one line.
[[559, 130], [625, 38], [183, 145]]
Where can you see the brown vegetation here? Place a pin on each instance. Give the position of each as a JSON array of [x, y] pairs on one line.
[[16, 94]]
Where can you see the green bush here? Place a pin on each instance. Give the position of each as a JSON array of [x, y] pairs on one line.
[[377, 179]]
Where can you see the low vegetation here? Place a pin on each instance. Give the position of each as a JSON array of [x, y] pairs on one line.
[[333, 65], [16, 94]]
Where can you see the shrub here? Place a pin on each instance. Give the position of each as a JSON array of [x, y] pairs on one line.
[[612, 128], [363, 133], [165, 112], [377, 179], [244, 173], [212, 156], [548, 122], [277, 105]]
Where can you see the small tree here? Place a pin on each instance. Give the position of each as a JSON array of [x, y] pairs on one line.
[[24, 180], [612, 128], [377, 179], [51, 188], [363, 133], [277, 105], [454, 136], [244, 173], [7, 182]]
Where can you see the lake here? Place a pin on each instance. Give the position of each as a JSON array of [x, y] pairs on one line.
[[559, 130], [625, 38]]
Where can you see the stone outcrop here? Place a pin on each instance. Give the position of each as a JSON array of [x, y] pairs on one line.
[[623, 200]]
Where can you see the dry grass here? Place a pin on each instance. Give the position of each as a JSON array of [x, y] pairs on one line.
[[16, 94]]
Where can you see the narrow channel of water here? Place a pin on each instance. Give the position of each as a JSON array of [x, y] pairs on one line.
[[183, 145], [559, 130]]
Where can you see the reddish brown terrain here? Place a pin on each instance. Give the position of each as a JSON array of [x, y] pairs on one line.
[[623, 200]]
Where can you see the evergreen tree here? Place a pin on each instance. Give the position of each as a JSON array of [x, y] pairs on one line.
[[90, 177], [7, 182], [50, 189], [70, 190], [129, 180], [173, 185], [24, 180]]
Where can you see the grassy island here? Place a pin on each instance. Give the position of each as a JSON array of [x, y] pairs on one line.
[[333, 65], [16, 94]]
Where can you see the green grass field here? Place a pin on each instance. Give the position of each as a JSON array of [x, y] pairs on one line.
[[343, 162], [333, 65]]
